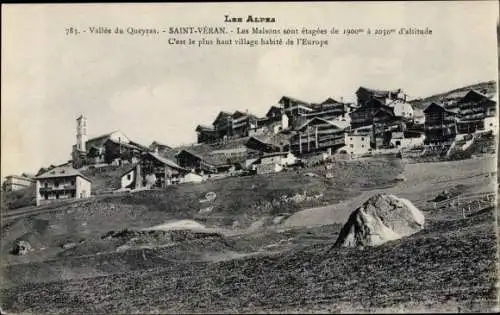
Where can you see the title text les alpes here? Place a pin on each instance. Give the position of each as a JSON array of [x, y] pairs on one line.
[[249, 19]]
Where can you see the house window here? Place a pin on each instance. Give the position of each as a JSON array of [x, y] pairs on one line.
[[351, 139], [56, 184], [362, 138], [352, 145], [46, 196], [129, 176], [73, 194], [362, 145], [73, 182], [398, 143], [46, 185], [57, 196]]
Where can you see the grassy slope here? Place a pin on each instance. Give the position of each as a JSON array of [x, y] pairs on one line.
[[18, 198], [243, 199], [447, 263], [106, 178]]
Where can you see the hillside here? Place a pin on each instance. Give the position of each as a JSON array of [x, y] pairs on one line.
[[241, 202], [96, 253], [434, 267], [488, 88], [18, 198]]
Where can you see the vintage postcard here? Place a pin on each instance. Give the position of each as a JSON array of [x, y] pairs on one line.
[[328, 157]]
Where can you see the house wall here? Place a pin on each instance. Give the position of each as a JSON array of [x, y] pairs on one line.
[[284, 122], [83, 188], [491, 123], [128, 179], [61, 188], [408, 142], [268, 168], [14, 183], [403, 109], [440, 126], [119, 136], [357, 144], [271, 159], [289, 159], [192, 178], [188, 161]]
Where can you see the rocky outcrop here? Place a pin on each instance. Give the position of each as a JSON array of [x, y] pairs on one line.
[[380, 219]]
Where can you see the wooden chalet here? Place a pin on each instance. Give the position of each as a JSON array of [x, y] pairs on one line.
[[117, 151], [365, 115], [440, 124], [164, 171], [365, 95], [474, 108], [205, 159], [329, 109], [316, 135], [266, 144], [242, 124], [222, 125], [295, 109], [206, 134]]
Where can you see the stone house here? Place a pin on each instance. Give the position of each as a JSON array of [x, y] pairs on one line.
[[61, 183]]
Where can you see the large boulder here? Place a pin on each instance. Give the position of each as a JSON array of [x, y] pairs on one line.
[[380, 219]]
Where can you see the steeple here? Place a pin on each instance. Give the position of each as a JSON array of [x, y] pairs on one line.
[[81, 133]]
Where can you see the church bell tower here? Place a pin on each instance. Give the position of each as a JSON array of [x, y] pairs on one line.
[[81, 133]]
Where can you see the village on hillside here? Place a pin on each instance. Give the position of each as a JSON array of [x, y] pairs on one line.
[[292, 134]]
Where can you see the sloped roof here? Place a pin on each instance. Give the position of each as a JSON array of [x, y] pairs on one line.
[[238, 114], [127, 145], [158, 144], [20, 177], [318, 119], [138, 145], [342, 124], [294, 100], [222, 113], [330, 101], [62, 171], [378, 93], [272, 109], [103, 136], [276, 140], [417, 112], [473, 94], [166, 161], [204, 128], [384, 109], [437, 106]]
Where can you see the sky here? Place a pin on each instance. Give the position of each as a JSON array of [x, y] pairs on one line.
[[151, 90]]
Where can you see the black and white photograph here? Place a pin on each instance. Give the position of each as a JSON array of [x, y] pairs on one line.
[[269, 157]]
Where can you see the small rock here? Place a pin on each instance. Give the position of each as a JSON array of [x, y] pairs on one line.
[[68, 245], [21, 248], [311, 174]]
